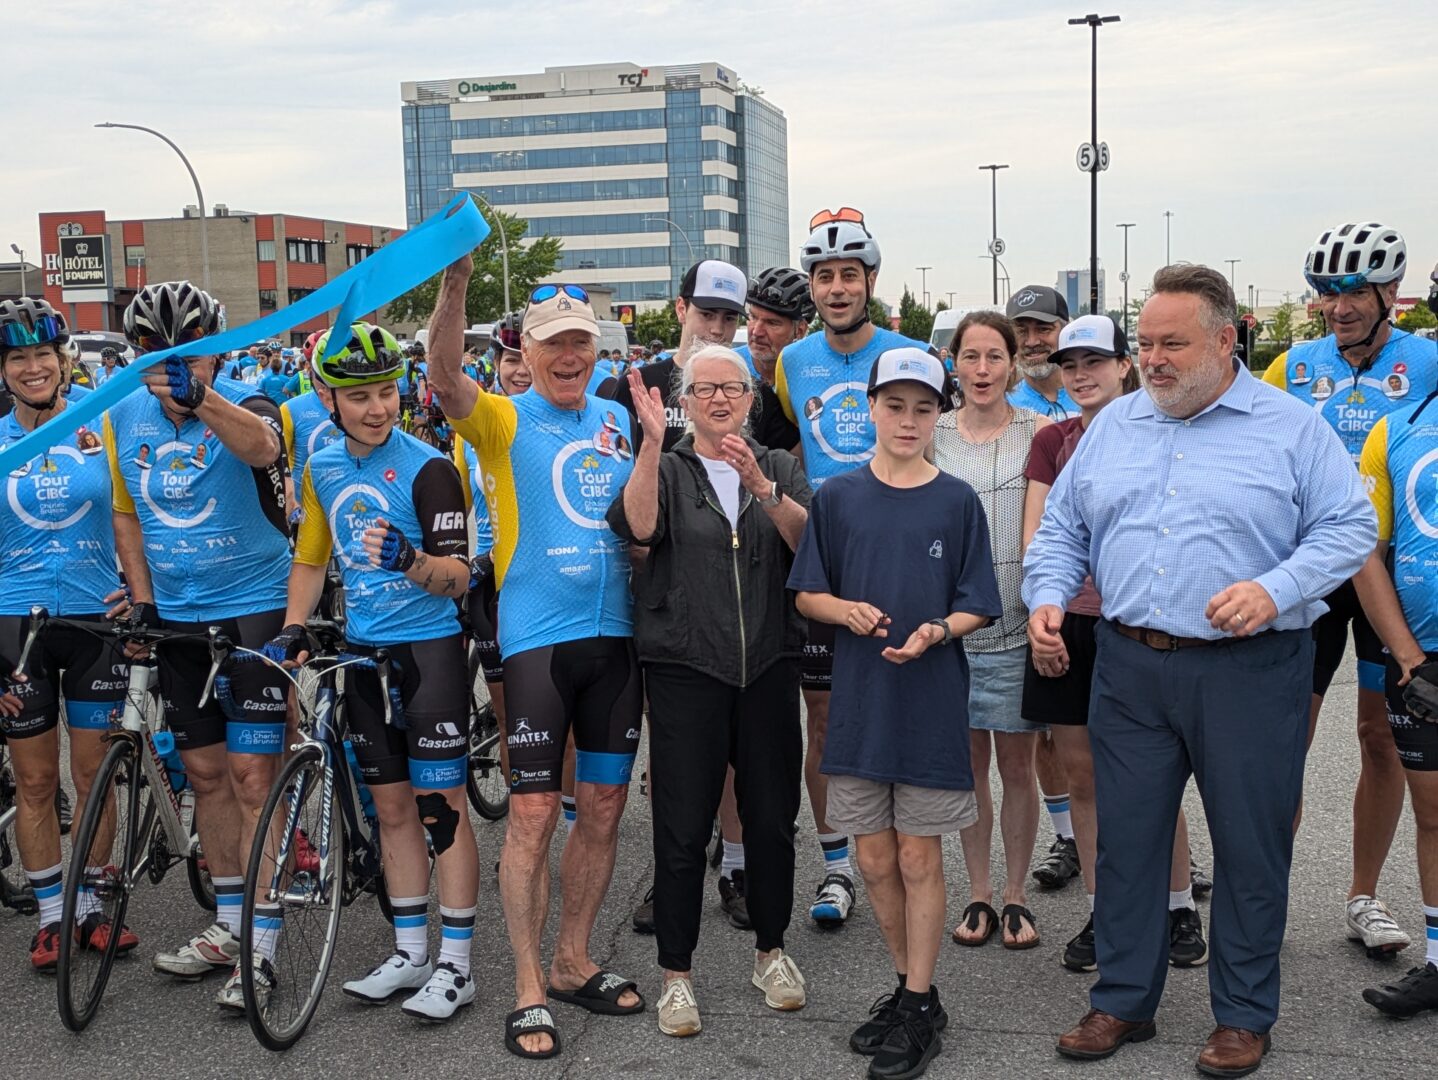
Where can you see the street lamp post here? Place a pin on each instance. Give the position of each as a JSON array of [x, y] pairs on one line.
[[924, 288], [951, 300], [1004, 277], [995, 248], [19, 251], [503, 236], [199, 195], [1125, 226], [1094, 22], [1231, 264], [674, 225], [1168, 238]]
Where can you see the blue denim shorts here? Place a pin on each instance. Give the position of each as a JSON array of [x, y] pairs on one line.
[[996, 692]]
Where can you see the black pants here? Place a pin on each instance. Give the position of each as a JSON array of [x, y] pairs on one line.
[[699, 726]]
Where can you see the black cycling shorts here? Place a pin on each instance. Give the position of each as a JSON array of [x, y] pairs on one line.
[[87, 671], [1330, 637], [482, 614], [431, 752], [1417, 740], [258, 689], [591, 686], [816, 668], [1064, 698]]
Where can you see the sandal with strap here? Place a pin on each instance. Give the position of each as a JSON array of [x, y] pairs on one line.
[[533, 1020], [601, 995], [1013, 914], [970, 922]]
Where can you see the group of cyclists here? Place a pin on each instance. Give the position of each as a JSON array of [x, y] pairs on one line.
[[227, 492]]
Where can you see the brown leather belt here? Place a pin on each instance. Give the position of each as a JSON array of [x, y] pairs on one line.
[[1157, 639]]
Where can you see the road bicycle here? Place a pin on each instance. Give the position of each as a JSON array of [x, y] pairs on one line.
[[15, 891], [136, 824], [486, 784]]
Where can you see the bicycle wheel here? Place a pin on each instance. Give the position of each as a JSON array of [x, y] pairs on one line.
[[197, 871], [304, 892], [104, 867], [485, 784]]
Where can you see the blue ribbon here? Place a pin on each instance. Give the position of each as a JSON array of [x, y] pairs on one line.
[[394, 269]]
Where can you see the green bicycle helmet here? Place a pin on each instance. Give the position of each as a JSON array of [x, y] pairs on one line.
[[371, 355]]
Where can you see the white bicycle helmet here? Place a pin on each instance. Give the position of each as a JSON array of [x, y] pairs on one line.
[[839, 240], [1355, 255]]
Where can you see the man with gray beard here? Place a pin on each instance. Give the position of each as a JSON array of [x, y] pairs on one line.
[[1212, 573], [1039, 314]]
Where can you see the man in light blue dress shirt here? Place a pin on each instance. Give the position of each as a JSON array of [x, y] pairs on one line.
[[1214, 513]]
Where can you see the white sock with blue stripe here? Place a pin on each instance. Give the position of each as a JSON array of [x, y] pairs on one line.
[[571, 812], [229, 901], [456, 934], [836, 853], [411, 927], [1430, 916], [266, 929], [49, 888], [1058, 807]]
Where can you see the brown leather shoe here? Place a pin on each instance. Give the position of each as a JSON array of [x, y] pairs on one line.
[[1098, 1035], [1231, 1051]]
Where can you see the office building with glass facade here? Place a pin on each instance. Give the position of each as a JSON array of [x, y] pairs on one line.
[[639, 171]]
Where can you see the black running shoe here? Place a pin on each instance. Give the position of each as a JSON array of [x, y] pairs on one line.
[[1079, 954], [1060, 866], [731, 898], [1409, 996], [1201, 882], [1186, 947], [644, 914], [884, 1014], [912, 1042]]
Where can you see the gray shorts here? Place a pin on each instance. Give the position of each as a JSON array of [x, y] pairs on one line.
[[860, 807]]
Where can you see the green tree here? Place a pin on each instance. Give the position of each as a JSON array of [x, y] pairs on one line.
[[1281, 325], [661, 324], [915, 320], [485, 302], [878, 313], [1421, 317]]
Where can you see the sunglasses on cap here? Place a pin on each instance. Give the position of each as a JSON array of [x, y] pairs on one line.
[[47, 329], [844, 213], [155, 342], [1337, 285], [549, 292]]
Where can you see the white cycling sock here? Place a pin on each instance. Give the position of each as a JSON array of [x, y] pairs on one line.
[[229, 900], [1430, 916], [836, 853], [456, 936], [1058, 807], [1177, 900], [733, 859], [411, 927], [49, 889]]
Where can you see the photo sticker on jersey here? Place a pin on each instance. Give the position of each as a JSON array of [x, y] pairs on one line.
[[352, 512], [585, 481], [39, 494], [839, 421], [166, 480]]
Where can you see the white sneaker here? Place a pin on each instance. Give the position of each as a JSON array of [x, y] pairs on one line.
[[1371, 923], [834, 900], [781, 982], [394, 976], [215, 950], [678, 1009], [441, 997], [232, 994]]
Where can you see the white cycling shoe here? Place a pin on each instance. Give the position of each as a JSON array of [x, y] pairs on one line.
[[446, 992], [1370, 922], [394, 976]]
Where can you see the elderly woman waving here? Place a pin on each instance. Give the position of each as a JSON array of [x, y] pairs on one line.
[[719, 640]]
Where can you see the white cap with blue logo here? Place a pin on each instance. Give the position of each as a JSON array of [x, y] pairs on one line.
[[910, 363]]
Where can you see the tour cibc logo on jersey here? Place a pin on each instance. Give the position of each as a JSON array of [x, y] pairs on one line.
[[353, 511], [321, 437], [1420, 490], [584, 474], [168, 471], [40, 491], [838, 418]]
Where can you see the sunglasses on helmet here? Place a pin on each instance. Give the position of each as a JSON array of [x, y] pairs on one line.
[[827, 217], [47, 328], [1337, 285], [155, 342], [549, 292]]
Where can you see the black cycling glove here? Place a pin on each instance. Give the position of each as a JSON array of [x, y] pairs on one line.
[[287, 644], [1421, 693]]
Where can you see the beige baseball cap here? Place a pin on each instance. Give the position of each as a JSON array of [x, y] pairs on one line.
[[553, 309]]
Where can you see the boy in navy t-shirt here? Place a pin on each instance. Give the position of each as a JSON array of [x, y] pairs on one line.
[[896, 554]]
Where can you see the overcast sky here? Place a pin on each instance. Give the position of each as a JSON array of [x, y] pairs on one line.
[[1257, 125]]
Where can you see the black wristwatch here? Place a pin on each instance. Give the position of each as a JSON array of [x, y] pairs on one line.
[[942, 624]]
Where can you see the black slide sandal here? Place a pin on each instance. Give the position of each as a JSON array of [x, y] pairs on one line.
[[534, 1020], [601, 995]]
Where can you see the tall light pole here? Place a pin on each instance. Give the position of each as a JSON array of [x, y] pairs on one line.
[[1231, 264], [19, 251], [199, 195], [1125, 226], [674, 225], [1094, 22], [503, 236], [951, 300], [1168, 238], [996, 247], [1004, 277], [924, 288]]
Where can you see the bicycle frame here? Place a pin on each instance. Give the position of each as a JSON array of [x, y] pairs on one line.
[[144, 680]]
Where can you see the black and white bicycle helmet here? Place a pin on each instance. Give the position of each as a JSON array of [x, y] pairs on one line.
[[169, 314]]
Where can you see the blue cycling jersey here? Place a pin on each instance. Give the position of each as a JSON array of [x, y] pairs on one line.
[[415, 489], [307, 428], [743, 351], [1024, 396], [274, 387], [563, 573], [825, 394], [474, 476], [216, 539], [57, 545], [1352, 400], [74, 392]]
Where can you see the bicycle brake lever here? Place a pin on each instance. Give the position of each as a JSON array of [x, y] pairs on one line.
[[381, 666], [38, 617], [219, 647]]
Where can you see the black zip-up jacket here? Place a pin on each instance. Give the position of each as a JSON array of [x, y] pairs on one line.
[[707, 596]]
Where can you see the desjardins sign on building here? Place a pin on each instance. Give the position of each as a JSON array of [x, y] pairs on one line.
[[485, 88]]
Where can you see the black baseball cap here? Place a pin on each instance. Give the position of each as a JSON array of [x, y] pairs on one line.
[[1038, 302]]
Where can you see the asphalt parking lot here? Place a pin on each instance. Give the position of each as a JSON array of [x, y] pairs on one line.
[[1007, 1008]]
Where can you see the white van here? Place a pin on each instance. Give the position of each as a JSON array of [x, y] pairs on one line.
[[947, 321]]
